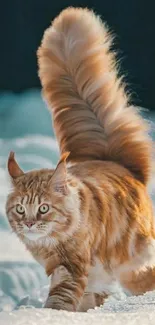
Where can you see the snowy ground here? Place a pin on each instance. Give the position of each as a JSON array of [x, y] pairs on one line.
[[126, 311], [51, 317], [23, 284]]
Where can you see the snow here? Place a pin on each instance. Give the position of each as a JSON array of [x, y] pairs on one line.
[[52, 317], [118, 309]]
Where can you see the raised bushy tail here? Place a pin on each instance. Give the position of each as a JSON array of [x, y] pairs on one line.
[[91, 114]]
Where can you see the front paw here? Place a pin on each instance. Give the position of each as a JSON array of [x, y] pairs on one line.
[[59, 304]]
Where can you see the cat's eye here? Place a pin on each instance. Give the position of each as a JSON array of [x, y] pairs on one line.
[[44, 208], [20, 209]]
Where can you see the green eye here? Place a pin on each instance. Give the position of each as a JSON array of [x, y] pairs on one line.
[[20, 209], [43, 208]]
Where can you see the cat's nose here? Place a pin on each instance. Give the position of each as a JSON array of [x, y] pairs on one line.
[[29, 224]]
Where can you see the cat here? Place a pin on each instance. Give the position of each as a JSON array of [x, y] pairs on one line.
[[89, 222]]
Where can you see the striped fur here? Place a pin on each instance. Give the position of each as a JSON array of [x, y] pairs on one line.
[[99, 225], [100, 231]]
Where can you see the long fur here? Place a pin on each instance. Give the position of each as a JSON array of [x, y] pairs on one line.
[[91, 112], [98, 227]]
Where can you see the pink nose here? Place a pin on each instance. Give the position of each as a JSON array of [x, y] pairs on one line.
[[29, 224]]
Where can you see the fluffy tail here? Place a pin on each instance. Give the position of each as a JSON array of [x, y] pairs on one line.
[[91, 114]]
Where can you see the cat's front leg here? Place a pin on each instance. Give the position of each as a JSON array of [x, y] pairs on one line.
[[67, 288]]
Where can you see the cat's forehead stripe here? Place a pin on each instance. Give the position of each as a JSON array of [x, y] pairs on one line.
[[32, 198], [24, 200]]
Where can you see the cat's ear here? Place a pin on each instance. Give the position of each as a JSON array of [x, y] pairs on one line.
[[13, 168], [59, 178]]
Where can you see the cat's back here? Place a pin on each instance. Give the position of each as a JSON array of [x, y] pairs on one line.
[[110, 178], [98, 170]]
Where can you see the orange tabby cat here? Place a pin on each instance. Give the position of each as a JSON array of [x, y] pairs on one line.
[[89, 222]]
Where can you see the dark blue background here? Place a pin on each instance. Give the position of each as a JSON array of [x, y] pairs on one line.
[[22, 23]]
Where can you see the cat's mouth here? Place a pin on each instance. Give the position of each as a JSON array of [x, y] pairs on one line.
[[33, 234]]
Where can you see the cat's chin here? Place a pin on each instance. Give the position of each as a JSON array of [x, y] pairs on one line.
[[33, 235]]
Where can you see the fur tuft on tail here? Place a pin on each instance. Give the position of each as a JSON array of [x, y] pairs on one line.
[[91, 112]]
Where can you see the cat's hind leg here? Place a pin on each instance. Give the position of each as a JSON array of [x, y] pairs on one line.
[[138, 274], [140, 281]]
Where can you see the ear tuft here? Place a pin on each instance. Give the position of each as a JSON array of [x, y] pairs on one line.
[[11, 155], [13, 168]]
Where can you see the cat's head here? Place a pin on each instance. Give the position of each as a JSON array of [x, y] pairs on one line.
[[43, 203]]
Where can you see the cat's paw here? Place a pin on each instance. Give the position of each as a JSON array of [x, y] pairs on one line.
[[59, 305]]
